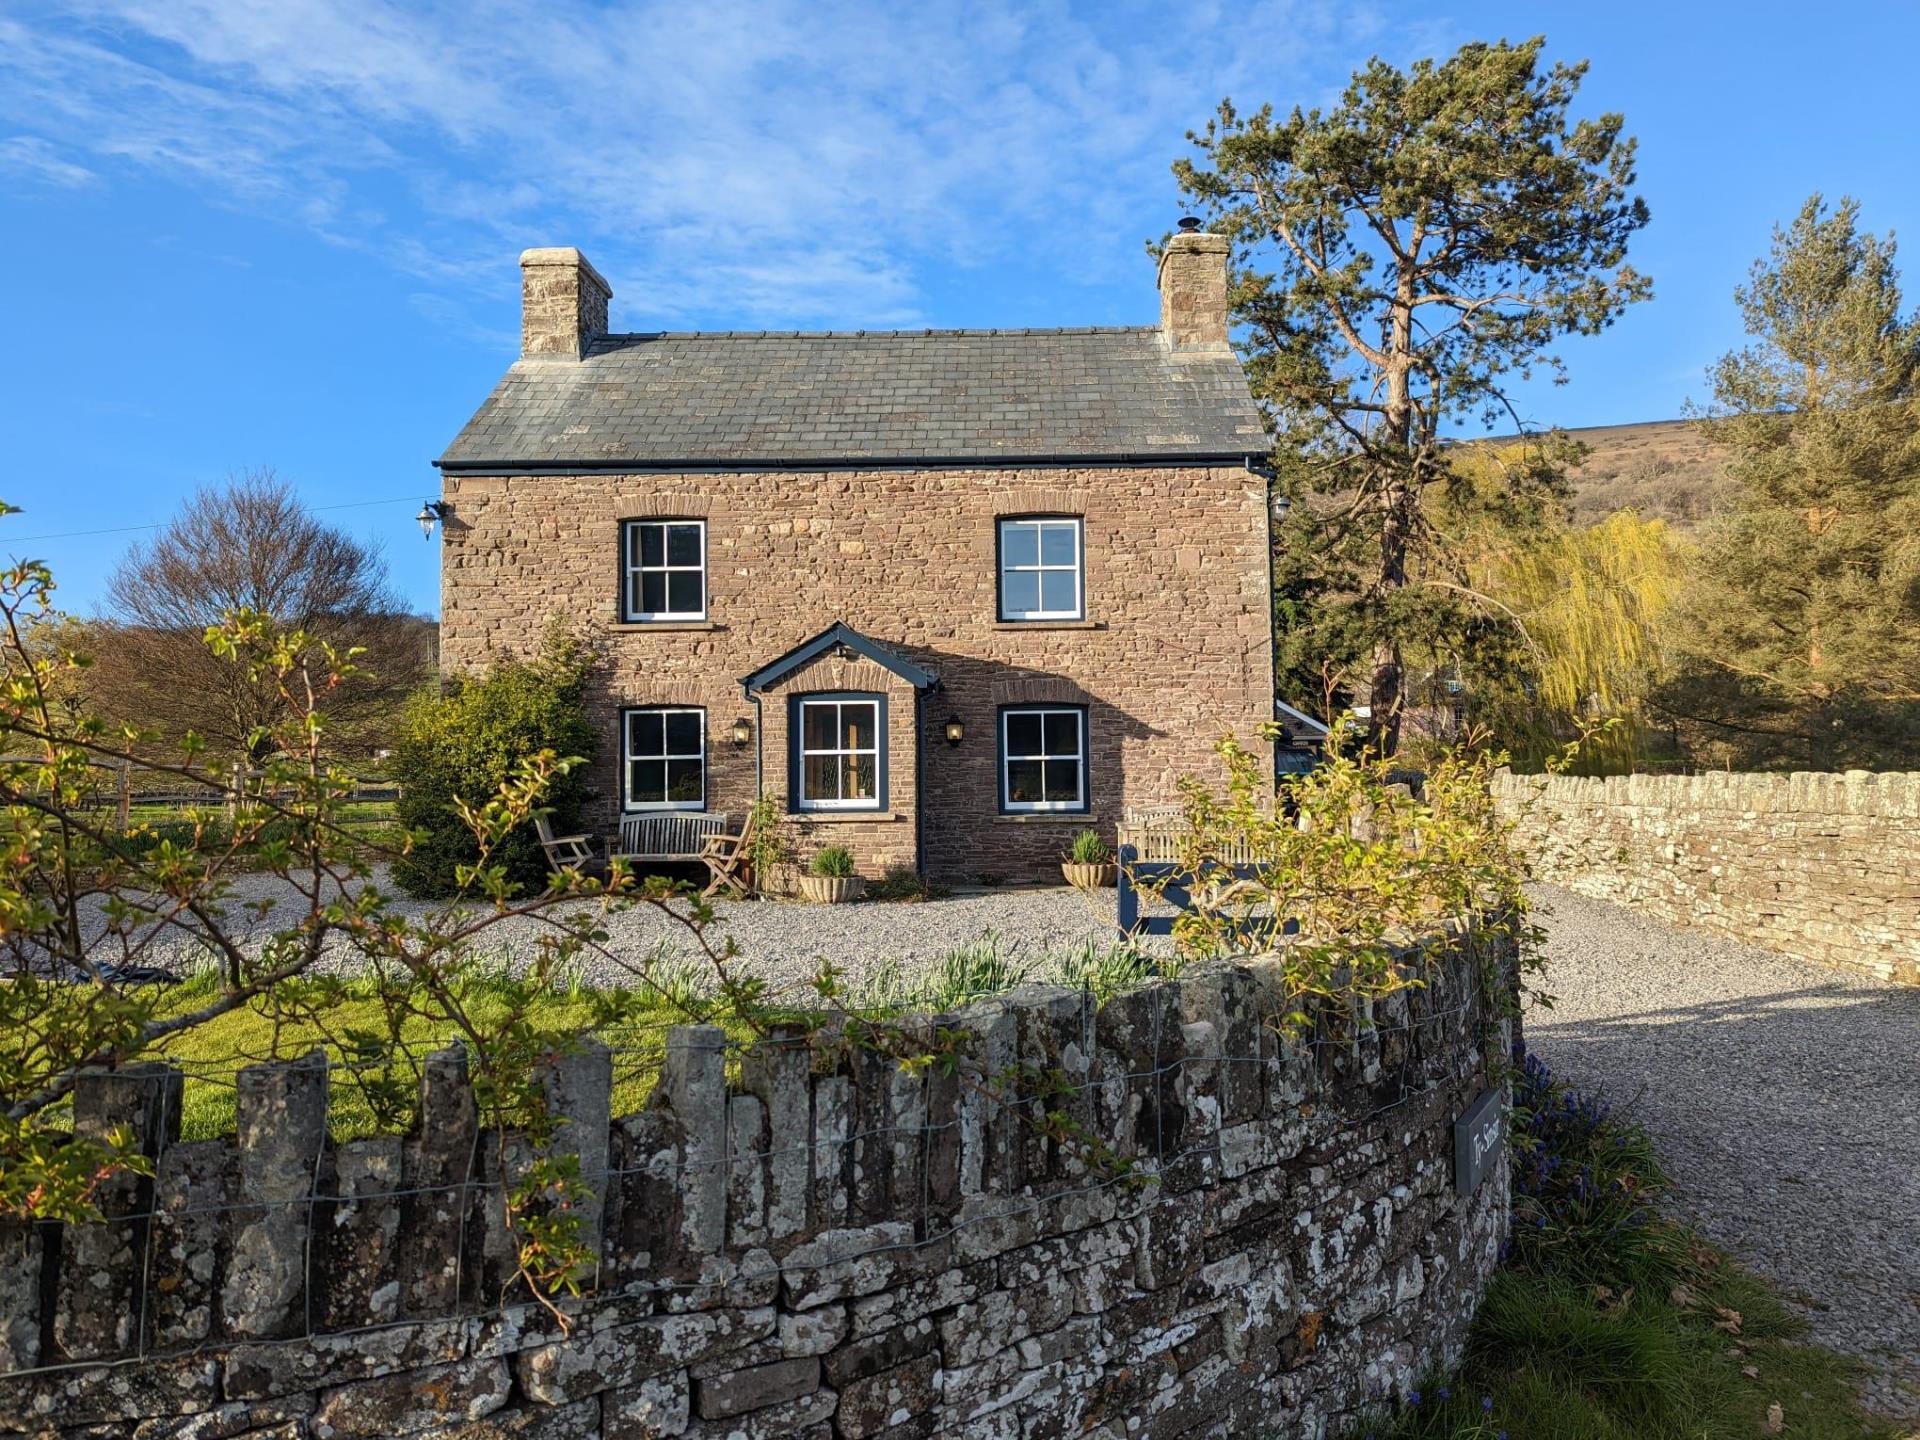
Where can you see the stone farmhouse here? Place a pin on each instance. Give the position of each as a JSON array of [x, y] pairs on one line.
[[947, 595]]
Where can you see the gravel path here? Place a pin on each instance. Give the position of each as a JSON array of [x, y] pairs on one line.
[[784, 940], [1786, 1100]]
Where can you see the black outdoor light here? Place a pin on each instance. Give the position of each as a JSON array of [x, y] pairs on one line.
[[956, 732], [742, 730], [431, 511]]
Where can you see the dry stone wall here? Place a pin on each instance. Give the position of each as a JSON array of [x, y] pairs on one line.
[[1825, 867], [796, 1247]]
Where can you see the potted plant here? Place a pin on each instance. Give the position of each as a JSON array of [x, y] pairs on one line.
[[1089, 863], [830, 879]]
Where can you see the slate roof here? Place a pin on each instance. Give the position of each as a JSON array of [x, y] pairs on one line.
[[838, 397]]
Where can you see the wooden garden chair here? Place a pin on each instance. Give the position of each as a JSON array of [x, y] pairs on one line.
[[728, 861], [564, 852]]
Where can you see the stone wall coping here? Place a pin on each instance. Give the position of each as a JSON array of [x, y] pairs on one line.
[[1886, 793]]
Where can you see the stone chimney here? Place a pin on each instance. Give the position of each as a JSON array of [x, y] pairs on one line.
[[563, 303], [1193, 290]]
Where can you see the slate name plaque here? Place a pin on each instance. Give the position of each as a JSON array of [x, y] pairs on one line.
[[1477, 1137]]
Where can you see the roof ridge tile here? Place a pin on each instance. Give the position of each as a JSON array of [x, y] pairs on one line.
[[1033, 331]]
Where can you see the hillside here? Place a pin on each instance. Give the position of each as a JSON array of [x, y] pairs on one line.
[[1661, 468]]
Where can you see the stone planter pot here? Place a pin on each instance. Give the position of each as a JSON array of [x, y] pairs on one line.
[[1091, 877], [831, 889]]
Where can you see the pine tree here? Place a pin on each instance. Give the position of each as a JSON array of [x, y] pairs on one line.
[[1798, 638], [1399, 257]]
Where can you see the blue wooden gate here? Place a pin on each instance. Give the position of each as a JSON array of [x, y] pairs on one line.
[[1175, 893]]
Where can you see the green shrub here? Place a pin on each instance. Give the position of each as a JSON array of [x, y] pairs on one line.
[[835, 862], [769, 847], [903, 882], [463, 744], [185, 833], [1089, 849], [205, 832]]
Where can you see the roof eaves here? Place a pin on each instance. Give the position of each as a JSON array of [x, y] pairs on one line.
[[612, 341], [1243, 455], [1319, 728]]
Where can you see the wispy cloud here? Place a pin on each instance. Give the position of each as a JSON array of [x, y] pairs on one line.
[[31, 158], [813, 157]]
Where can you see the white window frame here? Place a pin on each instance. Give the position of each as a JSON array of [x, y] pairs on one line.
[[1007, 757], [631, 569], [802, 753], [1074, 525], [627, 757]]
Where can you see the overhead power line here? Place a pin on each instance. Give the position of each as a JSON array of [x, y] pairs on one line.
[[158, 524]]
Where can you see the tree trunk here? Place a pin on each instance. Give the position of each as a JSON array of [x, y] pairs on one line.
[[1388, 698]]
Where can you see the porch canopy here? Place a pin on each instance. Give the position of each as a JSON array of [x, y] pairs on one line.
[[841, 641], [840, 742]]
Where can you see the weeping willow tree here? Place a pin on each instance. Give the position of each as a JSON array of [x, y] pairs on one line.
[[1590, 601], [1583, 605]]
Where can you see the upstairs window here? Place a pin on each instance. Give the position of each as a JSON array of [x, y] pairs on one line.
[[666, 759], [664, 572], [1041, 572], [1043, 758], [840, 752]]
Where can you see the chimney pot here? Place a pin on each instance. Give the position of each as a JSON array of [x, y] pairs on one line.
[[563, 303], [1193, 290]]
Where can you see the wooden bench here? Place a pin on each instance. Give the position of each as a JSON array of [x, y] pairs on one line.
[[668, 835]]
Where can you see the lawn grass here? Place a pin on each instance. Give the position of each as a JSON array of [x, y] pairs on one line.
[[1550, 1360], [1610, 1322], [213, 1054], [371, 823]]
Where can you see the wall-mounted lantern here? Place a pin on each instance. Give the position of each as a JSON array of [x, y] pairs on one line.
[[956, 732], [431, 511], [742, 730]]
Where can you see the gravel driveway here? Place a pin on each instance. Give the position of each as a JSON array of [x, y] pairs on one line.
[[785, 941], [1786, 1100]]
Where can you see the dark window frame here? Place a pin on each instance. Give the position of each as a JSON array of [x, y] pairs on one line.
[[796, 758], [629, 614], [628, 805], [1043, 707], [1000, 523]]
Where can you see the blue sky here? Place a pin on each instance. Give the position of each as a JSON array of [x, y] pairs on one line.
[[245, 233]]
